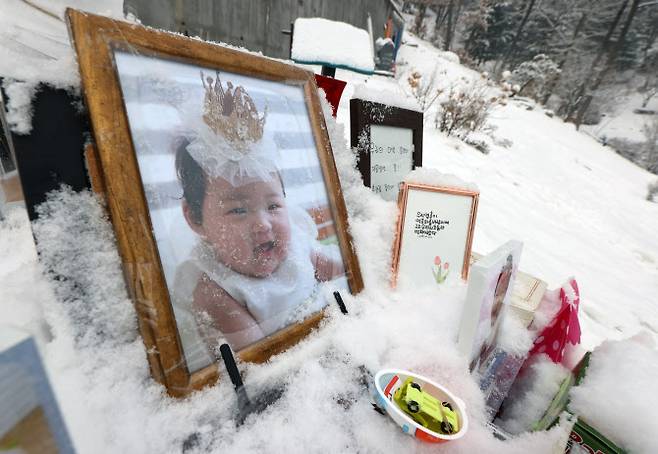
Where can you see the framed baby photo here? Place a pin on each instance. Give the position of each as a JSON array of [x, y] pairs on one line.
[[434, 234], [222, 190], [489, 296], [389, 143]]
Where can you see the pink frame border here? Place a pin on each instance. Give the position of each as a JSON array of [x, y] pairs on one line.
[[399, 231]]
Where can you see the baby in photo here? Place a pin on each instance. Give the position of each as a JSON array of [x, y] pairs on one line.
[[257, 265], [500, 291]]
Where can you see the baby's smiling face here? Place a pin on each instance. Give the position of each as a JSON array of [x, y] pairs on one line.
[[247, 226]]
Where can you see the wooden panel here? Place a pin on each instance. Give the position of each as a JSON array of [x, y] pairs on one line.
[[257, 24]]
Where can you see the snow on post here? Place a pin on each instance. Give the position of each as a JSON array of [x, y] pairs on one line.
[[325, 42], [386, 93]]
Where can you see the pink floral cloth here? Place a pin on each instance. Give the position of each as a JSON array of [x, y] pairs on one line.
[[564, 327]]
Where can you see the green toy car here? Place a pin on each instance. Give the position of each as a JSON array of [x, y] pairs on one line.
[[425, 409]]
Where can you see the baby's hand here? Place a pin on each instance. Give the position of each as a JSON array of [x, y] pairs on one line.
[[326, 268]]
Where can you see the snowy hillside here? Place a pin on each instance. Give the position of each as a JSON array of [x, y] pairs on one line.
[[578, 207], [623, 122]]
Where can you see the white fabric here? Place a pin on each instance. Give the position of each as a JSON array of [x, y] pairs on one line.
[[221, 159], [289, 294]]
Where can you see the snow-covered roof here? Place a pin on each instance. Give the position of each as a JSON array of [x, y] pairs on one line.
[[35, 48], [34, 45], [34, 40]]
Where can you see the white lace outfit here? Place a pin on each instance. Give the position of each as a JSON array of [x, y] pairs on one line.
[[288, 295]]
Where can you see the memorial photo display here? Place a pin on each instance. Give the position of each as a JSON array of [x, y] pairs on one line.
[[389, 141], [434, 234], [223, 191]]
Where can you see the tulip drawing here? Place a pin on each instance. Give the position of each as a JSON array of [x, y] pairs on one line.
[[439, 272]]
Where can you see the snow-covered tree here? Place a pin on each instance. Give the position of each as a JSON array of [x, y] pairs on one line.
[[492, 32], [535, 77]]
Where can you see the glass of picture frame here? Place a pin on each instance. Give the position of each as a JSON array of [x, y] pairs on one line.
[[222, 189]]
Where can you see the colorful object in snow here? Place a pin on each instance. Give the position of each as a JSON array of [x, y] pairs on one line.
[[440, 271], [564, 327], [426, 409], [333, 89], [390, 385]]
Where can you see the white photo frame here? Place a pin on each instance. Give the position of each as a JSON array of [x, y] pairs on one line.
[[434, 234], [490, 289]]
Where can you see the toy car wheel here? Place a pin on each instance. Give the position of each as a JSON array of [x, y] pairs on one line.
[[447, 428], [447, 405], [415, 385], [413, 406]]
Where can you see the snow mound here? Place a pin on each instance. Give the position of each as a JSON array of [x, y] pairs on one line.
[[621, 374], [531, 394], [449, 56]]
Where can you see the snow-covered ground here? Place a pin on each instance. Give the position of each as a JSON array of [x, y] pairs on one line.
[[579, 208], [623, 122]]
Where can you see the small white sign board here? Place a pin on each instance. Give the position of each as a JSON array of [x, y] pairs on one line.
[[391, 158]]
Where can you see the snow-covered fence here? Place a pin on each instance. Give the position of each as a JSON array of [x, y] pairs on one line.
[[254, 24]]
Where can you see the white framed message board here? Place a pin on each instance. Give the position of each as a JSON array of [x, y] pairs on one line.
[[434, 234], [389, 142], [391, 158]]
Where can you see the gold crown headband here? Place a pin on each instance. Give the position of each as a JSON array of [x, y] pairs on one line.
[[228, 140], [231, 113]]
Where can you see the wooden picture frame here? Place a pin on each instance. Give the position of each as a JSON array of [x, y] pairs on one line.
[[116, 163], [366, 114], [435, 230]]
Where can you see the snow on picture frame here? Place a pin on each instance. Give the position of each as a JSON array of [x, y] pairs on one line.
[[434, 234], [490, 288], [389, 143], [174, 117]]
